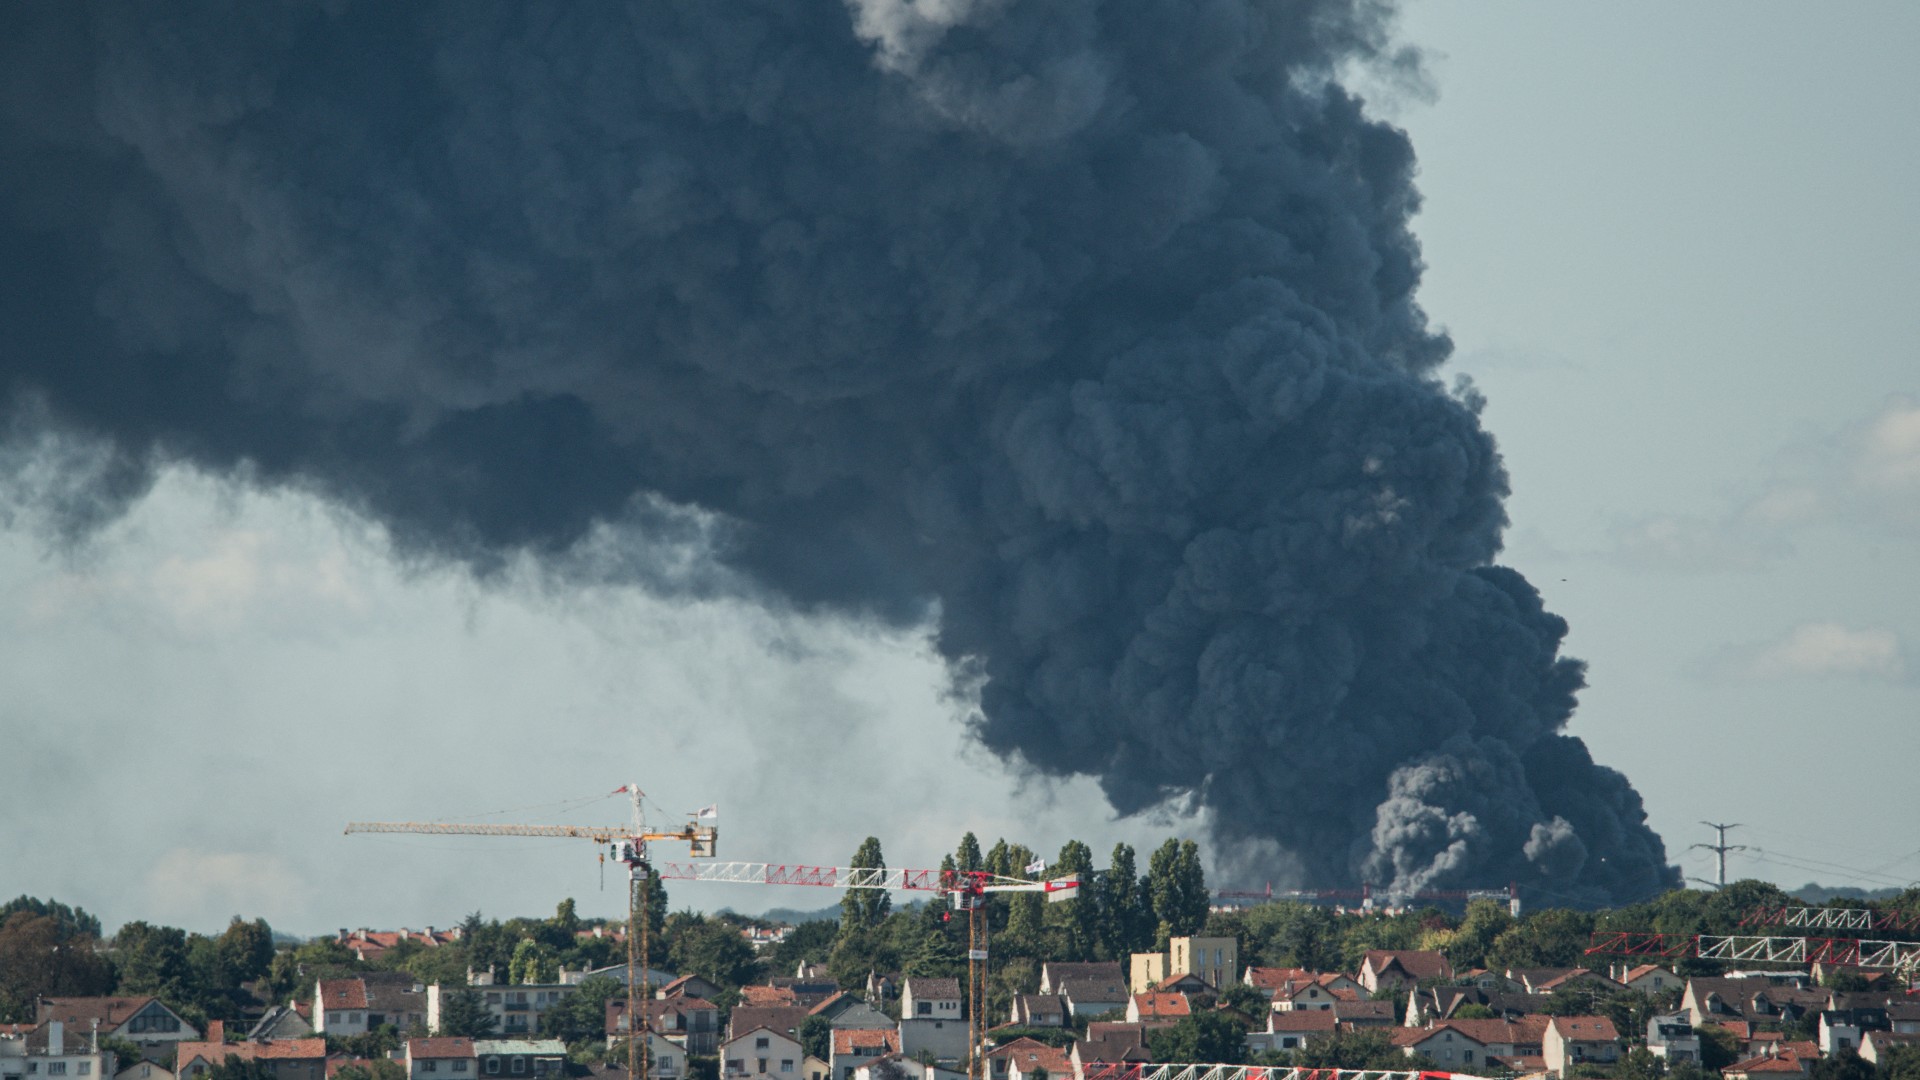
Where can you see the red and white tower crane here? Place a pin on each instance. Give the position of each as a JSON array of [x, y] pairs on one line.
[[629, 846]]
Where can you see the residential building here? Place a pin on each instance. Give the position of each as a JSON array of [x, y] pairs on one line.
[[1364, 1014], [1089, 999], [688, 1022], [1779, 1066], [1574, 1040], [1268, 979], [761, 1052], [1840, 1030], [280, 1022], [517, 1009], [924, 1036], [853, 1047], [51, 1050], [372, 944], [1319, 992], [649, 978], [449, 1058], [144, 1070], [785, 1019], [1449, 1048], [1756, 999], [907, 1067], [1038, 1010], [287, 1059], [1111, 1042], [1876, 1045], [143, 1021], [1671, 1036], [1291, 1030], [520, 1057], [1213, 959], [1397, 968], [1054, 975], [847, 1011], [355, 1006], [1158, 1010], [937, 999], [1648, 978]]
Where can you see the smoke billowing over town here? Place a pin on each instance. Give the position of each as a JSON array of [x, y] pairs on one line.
[[1085, 335]]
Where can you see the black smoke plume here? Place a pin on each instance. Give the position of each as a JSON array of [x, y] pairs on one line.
[[1083, 332]]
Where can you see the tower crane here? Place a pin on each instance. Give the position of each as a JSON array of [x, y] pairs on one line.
[[628, 845], [966, 890]]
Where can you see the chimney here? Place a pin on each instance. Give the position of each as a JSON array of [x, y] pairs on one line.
[[216, 1031]]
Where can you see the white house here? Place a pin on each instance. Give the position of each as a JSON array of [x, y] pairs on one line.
[[516, 1010], [52, 1052], [1671, 1036], [854, 1047], [930, 999], [1574, 1040], [762, 1052], [450, 1058]]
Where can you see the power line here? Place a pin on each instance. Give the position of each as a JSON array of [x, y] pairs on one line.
[[1720, 849]]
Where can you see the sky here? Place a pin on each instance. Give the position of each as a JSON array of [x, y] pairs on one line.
[[1672, 247]]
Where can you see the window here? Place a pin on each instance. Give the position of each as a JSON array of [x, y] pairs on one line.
[[493, 1065], [1468, 1056], [519, 1064], [429, 1066], [786, 1065], [760, 1043], [761, 1066], [56, 1068], [85, 1069], [735, 1065], [666, 1062], [460, 1066], [923, 1008]]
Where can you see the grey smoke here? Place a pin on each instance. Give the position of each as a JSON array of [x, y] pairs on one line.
[[1085, 331]]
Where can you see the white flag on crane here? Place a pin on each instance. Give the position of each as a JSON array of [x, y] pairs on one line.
[[712, 811], [1037, 866]]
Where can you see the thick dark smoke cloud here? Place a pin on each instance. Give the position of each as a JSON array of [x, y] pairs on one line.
[[1085, 331]]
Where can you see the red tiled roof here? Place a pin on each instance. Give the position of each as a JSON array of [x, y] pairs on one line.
[[1585, 1028], [847, 1040], [1008, 1049], [1419, 963], [1273, 978], [446, 1047], [1302, 1020], [110, 1011], [1643, 969], [1041, 1056], [341, 1061], [1767, 1063], [1162, 1006], [343, 994], [764, 996], [214, 1053]]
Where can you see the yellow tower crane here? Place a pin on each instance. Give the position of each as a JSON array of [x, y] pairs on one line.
[[629, 843]]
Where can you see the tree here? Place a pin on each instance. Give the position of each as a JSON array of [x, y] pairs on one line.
[[816, 1035], [1901, 1062], [152, 960], [244, 951], [583, 1013], [1485, 921], [863, 909], [1719, 1047], [935, 956], [1555, 937], [1126, 913], [380, 1069], [1073, 927], [464, 1013], [533, 962], [808, 943], [1640, 1063], [713, 948], [1245, 999], [967, 856], [1178, 887], [1206, 1036], [44, 955]]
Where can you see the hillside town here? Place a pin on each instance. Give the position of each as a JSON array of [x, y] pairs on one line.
[[883, 993]]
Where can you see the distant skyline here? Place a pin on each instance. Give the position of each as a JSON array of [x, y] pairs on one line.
[[1673, 247]]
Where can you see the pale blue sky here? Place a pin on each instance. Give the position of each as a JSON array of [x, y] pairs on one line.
[[1673, 245]]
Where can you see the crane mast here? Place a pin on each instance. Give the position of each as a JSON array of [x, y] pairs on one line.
[[629, 843]]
